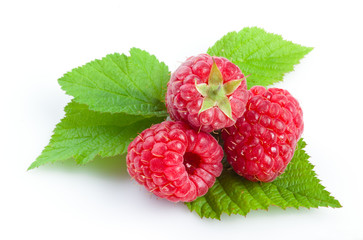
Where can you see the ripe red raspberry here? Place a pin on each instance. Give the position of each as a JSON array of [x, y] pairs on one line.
[[263, 141], [174, 161], [208, 93]]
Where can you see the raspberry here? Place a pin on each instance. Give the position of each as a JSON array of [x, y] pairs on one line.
[[208, 93], [174, 161], [263, 141]]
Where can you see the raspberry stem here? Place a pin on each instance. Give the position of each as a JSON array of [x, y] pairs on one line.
[[215, 92]]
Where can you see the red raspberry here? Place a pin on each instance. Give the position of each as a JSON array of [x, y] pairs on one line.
[[209, 93], [263, 141], [174, 161]]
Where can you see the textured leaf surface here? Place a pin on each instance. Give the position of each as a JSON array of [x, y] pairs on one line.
[[83, 134], [266, 56], [297, 187], [118, 83]]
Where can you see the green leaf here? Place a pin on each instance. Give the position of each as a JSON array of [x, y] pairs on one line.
[[297, 187], [117, 83], [83, 134], [266, 56]]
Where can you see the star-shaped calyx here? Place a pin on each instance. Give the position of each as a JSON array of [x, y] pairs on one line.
[[215, 92]]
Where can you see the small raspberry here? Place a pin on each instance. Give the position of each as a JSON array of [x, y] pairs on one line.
[[263, 141], [174, 161], [208, 93]]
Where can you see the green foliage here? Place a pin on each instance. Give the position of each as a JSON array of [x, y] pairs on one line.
[[117, 83], [266, 56], [297, 187], [83, 134]]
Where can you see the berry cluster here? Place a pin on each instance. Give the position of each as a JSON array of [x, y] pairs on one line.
[[179, 160]]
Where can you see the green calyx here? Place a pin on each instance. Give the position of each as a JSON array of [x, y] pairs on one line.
[[215, 92]]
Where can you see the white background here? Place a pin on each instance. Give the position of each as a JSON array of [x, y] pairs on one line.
[[42, 40]]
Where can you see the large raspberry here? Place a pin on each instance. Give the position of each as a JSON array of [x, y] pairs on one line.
[[209, 93], [174, 161], [263, 141]]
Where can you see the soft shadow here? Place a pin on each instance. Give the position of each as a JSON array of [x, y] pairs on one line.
[[114, 167]]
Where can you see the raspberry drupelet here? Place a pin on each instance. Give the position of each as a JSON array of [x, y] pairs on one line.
[[174, 161], [261, 143]]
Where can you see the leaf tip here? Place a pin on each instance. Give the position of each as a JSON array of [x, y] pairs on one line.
[[336, 204], [32, 166], [308, 49]]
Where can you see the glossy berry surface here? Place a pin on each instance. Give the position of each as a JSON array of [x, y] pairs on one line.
[[174, 161], [208, 98], [263, 141]]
